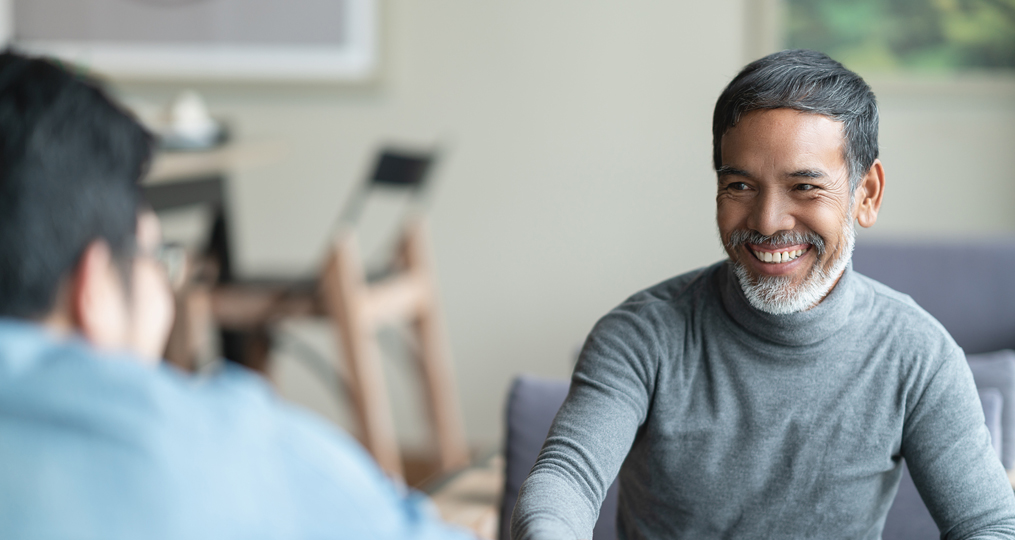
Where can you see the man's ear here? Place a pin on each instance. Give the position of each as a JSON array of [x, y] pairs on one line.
[[868, 195], [97, 298]]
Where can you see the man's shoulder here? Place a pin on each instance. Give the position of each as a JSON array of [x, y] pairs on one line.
[[676, 292], [903, 319], [664, 307], [888, 300], [70, 388], [175, 444], [61, 392]]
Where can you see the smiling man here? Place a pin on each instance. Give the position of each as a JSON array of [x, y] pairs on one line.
[[784, 188], [773, 394]]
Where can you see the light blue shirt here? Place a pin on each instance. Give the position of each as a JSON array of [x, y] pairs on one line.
[[99, 446]]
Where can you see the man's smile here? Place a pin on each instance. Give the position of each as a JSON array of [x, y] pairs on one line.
[[777, 254], [777, 260]]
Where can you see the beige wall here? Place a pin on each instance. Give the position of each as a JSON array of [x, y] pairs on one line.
[[949, 153], [577, 168]]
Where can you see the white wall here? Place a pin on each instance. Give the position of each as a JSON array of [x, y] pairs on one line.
[[577, 171]]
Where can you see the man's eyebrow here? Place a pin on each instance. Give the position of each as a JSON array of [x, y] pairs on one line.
[[807, 173], [727, 170]]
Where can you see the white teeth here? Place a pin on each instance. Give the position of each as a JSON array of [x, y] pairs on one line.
[[779, 256]]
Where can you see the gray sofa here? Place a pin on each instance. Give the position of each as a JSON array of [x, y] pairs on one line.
[[969, 287]]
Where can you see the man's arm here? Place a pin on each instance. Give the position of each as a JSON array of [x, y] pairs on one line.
[[947, 449], [592, 433]]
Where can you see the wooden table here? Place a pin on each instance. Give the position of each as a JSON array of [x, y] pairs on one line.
[[193, 178], [180, 179], [168, 167]]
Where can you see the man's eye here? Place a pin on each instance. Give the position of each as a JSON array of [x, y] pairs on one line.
[[806, 187], [736, 186]]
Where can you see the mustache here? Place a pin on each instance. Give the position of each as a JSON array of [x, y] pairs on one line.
[[740, 237]]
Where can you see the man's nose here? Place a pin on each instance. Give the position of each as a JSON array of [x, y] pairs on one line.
[[771, 213]]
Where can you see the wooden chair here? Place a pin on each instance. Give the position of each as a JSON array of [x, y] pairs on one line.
[[357, 308]]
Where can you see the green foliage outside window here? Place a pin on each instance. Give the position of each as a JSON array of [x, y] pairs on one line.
[[909, 35]]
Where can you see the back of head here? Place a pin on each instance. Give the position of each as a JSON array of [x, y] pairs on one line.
[[807, 81], [69, 164]]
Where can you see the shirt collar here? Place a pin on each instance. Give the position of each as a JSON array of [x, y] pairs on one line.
[[793, 329]]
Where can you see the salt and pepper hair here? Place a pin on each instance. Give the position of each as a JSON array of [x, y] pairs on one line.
[[810, 82]]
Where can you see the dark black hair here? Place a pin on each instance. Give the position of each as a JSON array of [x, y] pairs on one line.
[[70, 161], [806, 81]]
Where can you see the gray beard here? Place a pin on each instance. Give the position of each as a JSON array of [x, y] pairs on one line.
[[776, 294]]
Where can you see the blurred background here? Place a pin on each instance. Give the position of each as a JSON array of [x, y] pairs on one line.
[[574, 144]]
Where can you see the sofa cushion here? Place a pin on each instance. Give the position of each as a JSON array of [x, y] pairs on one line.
[[993, 402], [532, 404], [997, 370], [908, 518]]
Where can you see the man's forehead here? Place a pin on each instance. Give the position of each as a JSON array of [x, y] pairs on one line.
[[787, 142], [786, 115], [784, 134]]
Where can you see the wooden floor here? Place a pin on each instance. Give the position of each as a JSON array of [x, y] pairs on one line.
[[471, 498]]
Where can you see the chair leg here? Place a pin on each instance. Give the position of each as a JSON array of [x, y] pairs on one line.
[[258, 353], [437, 373], [191, 324], [343, 286]]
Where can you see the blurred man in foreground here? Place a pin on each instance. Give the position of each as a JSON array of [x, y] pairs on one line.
[[773, 394], [97, 440]]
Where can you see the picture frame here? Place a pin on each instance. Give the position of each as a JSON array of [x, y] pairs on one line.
[[353, 58], [765, 31]]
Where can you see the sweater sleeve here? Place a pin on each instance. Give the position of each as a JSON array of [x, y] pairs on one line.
[[593, 431], [947, 449]]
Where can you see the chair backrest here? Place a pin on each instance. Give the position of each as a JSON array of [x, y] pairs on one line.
[[532, 403], [967, 286]]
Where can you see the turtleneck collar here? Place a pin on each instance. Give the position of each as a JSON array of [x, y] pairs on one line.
[[794, 329]]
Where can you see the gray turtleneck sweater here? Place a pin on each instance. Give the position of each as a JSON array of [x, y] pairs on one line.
[[726, 422]]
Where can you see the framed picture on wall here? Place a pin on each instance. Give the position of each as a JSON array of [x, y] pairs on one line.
[[323, 40], [905, 36]]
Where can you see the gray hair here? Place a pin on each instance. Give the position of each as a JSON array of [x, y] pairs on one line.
[[811, 82]]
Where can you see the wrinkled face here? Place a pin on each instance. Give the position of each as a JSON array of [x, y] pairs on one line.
[[151, 300], [783, 207]]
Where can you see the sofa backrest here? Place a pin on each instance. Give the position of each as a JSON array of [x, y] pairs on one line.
[[968, 286], [996, 371], [532, 403]]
